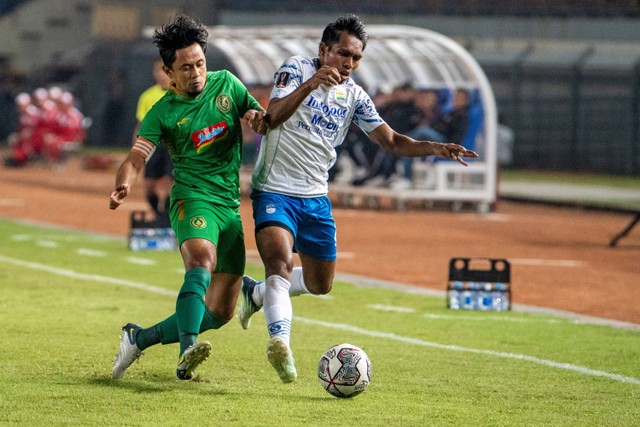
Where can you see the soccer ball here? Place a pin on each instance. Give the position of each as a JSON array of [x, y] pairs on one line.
[[344, 370]]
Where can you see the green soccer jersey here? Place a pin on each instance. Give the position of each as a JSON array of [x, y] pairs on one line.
[[204, 138]]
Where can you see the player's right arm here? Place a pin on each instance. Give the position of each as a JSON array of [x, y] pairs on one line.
[[130, 169], [281, 109]]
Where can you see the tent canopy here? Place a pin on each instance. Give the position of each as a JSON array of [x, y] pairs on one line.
[[394, 55]]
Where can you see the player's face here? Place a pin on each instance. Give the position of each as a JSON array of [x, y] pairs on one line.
[[189, 70], [345, 55]]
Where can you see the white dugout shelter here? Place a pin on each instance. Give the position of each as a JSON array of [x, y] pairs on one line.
[[394, 56]]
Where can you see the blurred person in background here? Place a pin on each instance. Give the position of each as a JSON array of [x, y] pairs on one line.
[[37, 123], [21, 141], [313, 103], [199, 120], [158, 171], [70, 131], [402, 115]]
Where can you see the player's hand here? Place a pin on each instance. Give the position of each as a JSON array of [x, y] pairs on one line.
[[456, 152], [118, 195], [326, 75], [256, 120]]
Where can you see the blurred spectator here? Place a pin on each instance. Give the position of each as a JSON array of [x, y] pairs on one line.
[[402, 115], [426, 101], [22, 143], [453, 125], [69, 132], [361, 153], [45, 127]]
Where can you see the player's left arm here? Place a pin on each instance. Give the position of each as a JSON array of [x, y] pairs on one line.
[[404, 146]]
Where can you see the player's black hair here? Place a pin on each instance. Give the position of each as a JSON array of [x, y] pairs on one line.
[[351, 24], [181, 32]]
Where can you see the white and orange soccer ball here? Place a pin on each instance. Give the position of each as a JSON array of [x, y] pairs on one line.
[[344, 370]]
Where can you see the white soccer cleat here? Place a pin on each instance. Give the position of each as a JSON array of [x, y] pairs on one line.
[[129, 351], [281, 358], [192, 358]]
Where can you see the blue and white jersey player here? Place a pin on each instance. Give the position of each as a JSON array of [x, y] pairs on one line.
[[312, 105], [322, 121]]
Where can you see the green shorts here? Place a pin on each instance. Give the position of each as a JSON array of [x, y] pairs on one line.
[[198, 219]]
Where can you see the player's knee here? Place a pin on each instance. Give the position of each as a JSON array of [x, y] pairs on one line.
[[319, 287], [279, 267]]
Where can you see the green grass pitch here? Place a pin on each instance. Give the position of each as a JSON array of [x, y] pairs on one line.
[[64, 296]]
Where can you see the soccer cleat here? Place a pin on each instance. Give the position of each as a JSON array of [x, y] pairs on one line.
[[129, 351], [247, 305], [192, 358], [281, 358]]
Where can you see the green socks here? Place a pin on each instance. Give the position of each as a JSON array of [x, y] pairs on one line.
[[166, 332], [190, 319], [190, 306]]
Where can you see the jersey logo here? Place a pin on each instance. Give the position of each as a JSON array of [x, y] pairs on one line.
[[340, 93], [223, 102], [183, 121], [207, 136], [282, 79]]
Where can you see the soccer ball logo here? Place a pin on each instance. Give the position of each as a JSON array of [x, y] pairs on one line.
[[344, 370]]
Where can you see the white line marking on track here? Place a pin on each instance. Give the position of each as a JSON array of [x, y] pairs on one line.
[[346, 255], [94, 278], [11, 203], [495, 217], [548, 262]]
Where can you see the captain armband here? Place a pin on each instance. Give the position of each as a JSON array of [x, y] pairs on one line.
[[144, 149]]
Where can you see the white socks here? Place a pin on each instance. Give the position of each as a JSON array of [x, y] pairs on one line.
[[297, 283], [277, 307], [274, 295], [297, 287]]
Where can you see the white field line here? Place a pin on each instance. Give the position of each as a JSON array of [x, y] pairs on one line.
[[92, 278], [91, 252], [47, 244], [88, 277], [391, 308], [415, 341], [485, 318], [368, 282], [140, 261]]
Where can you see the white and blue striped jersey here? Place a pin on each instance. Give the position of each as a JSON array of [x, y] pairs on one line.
[[295, 157]]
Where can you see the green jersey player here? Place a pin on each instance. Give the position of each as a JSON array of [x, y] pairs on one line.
[[199, 121]]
